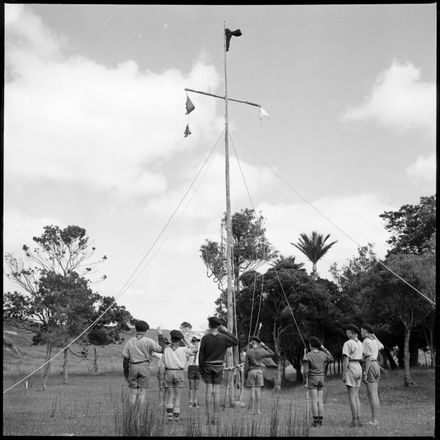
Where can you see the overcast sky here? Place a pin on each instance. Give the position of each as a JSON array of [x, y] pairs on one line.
[[95, 115]]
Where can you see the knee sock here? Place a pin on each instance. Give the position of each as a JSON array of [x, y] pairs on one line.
[[176, 413], [320, 420]]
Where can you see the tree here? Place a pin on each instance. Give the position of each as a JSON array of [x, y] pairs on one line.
[[251, 249], [411, 226], [314, 248], [100, 334], [49, 274], [401, 301]]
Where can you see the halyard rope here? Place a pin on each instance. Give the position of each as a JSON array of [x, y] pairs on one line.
[[127, 283]]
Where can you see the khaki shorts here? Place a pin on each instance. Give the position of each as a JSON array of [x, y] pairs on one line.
[[174, 378], [373, 373], [255, 378], [315, 383], [139, 374], [354, 374]]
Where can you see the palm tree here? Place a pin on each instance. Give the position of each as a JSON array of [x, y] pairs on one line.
[[313, 247]]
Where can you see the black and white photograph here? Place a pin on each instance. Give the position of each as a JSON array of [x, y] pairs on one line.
[[219, 220]]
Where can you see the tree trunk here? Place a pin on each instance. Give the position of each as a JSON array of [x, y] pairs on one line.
[[95, 360], [46, 372], [314, 271], [277, 350], [407, 380], [66, 360], [389, 358]]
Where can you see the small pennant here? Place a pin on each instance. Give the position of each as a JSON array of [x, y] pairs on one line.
[[187, 131]]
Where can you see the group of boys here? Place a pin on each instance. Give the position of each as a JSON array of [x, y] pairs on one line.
[[206, 361], [359, 364]]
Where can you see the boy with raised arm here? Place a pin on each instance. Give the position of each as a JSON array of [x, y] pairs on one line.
[[253, 371], [314, 366], [175, 358], [212, 352]]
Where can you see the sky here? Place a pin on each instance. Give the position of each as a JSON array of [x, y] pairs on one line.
[[94, 116]]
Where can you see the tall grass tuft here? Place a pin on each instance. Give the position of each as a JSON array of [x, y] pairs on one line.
[[137, 420]]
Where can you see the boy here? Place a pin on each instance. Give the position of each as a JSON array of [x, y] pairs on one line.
[[175, 358], [314, 365], [352, 352], [253, 371], [194, 375], [212, 351], [371, 346], [137, 355], [161, 376]]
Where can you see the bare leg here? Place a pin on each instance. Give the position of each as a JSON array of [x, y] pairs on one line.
[[353, 404], [190, 391], [176, 409], [133, 396], [216, 389], [208, 400], [195, 389], [142, 396], [314, 395], [320, 404], [258, 398], [373, 397], [170, 401]]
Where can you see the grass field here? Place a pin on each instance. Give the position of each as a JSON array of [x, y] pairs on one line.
[[93, 405]]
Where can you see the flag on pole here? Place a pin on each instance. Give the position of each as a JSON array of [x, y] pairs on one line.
[[189, 105], [263, 113], [229, 34], [187, 132]]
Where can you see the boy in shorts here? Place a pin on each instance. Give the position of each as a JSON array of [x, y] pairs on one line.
[[137, 355], [371, 346], [253, 371], [212, 352], [175, 358], [194, 375], [352, 353], [161, 376], [314, 366]]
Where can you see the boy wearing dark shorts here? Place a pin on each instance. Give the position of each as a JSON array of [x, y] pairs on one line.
[[314, 366], [194, 375], [212, 351]]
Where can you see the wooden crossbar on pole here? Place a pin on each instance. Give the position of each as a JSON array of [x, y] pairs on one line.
[[222, 97]]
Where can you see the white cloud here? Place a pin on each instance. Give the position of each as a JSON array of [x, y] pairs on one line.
[[207, 198], [356, 215], [424, 168], [398, 100], [81, 122]]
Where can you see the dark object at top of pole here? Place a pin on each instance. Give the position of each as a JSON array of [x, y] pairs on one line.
[[229, 34]]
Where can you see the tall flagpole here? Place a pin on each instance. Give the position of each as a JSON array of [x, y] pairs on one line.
[[230, 317]]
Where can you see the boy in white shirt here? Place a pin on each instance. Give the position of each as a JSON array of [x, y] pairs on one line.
[[352, 352], [175, 358], [371, 347]]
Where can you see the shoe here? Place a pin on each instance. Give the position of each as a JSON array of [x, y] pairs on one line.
[[353, 424], [375, 423], [314, 424], [196, 405], [191, 404]]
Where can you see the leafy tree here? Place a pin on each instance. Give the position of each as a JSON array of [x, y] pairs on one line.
[[100, 334], [401, 301], [314, 248], [251, 249], [411, 226], [56, 292]]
